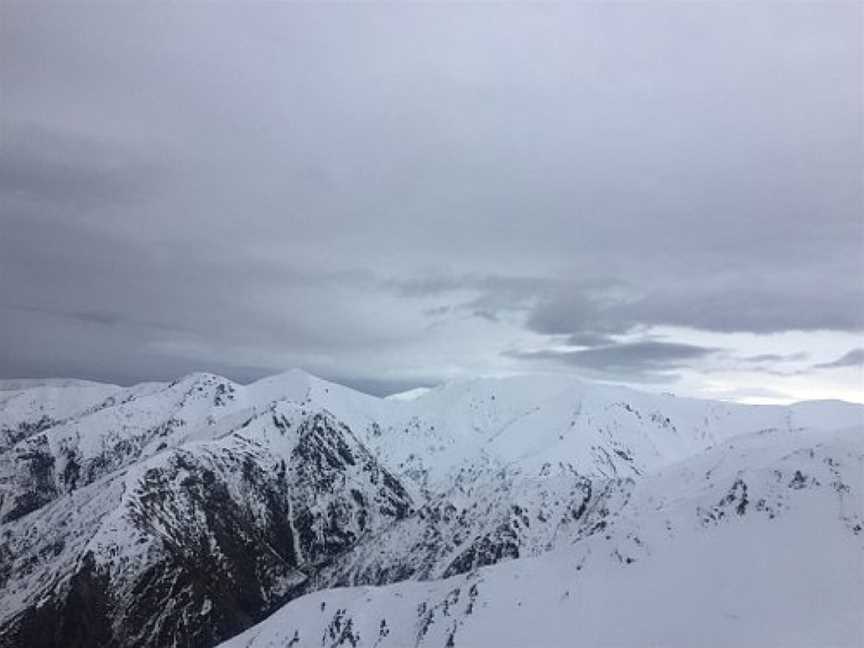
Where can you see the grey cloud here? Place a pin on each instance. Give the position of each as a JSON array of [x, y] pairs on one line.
[[772, 364], [590, 340], [638, 360], [853, 358], [40, 166], [553, 304], [437, 311], [104, 318], [777, 357], [503, 291], [737, 307], [489, 316], [558, 306], [757, 307], [302, 183], [122, 311], [571, 310]]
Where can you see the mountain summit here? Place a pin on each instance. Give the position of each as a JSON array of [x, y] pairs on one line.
[[535, 510]]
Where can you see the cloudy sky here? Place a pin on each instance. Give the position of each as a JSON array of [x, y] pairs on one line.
[[661, 194]]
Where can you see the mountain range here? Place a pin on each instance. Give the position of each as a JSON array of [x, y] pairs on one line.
[[536, 510]]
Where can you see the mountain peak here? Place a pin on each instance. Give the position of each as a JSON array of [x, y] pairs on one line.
[[152, 498]]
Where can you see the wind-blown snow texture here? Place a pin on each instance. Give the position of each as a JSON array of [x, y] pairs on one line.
[[530, 511]]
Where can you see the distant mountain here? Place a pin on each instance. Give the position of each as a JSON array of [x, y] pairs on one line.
[[537, 510]]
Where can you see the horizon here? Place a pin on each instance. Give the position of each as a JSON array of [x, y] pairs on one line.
[[380, 390]]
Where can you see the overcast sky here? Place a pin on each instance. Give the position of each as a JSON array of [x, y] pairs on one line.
[[661, 194]]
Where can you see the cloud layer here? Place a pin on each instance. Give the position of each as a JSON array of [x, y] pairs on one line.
[[853, 358], [394, 196]]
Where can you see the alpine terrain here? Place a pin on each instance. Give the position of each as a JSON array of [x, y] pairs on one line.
[[537, 511]]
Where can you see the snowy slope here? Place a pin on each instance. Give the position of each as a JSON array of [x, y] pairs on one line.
[[255, 505], [758, 542], [180, 514]]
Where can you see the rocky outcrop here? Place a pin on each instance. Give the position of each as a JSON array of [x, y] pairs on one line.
[[181, 514], [205, 539]]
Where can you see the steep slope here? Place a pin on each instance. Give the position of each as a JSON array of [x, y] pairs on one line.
[[180, 514], [758, 542], [61, 439], [198, 541], [30, 406]]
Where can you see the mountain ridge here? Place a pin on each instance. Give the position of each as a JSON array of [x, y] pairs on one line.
[[182, 513]]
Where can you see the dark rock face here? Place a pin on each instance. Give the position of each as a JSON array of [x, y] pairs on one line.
[[500, 545], [40, 475], [36, 482], [224, 565], [325, 453], [40, 459], [79, 617], [24, 429], [221, 536], [491, 519]]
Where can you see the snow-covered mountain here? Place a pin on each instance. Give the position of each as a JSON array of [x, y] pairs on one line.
[[534, 510]]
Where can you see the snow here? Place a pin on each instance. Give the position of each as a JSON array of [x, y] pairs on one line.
[[612, 516], [793, 580]]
